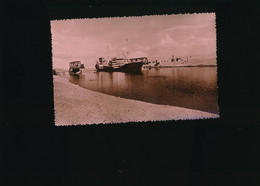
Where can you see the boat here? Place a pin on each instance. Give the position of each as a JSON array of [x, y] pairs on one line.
[[132, 65], [75, 68], [173, 62]]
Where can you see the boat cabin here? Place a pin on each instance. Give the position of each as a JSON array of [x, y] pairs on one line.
[[75, 64], [139, 59]]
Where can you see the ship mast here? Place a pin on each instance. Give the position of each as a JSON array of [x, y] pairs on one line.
[[107, 53], [127, 52]]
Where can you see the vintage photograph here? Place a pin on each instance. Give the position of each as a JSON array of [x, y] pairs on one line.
[[134, 69]]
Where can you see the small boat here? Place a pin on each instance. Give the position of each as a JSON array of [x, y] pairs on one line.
[[75, 67], [132, 65]]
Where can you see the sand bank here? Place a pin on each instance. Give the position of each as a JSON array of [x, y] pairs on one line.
[[76, 105]]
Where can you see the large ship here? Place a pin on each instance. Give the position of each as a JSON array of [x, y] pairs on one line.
[[132, 65]]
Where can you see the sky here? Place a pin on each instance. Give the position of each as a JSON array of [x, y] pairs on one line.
[[155, 37]]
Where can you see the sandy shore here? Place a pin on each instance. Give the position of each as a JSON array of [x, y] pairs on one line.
[[75, 105]]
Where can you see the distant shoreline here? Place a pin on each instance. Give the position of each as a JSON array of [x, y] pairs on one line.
[[60, 70], [184, 66]]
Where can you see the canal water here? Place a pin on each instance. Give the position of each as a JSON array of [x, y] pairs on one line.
[[189, 87]]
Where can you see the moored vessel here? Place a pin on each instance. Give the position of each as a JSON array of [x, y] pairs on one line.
[[75, 68], [132, 65]]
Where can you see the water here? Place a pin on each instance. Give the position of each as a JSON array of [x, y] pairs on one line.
[[189, 87]]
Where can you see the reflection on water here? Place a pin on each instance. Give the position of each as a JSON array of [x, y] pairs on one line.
[[189, 87]]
